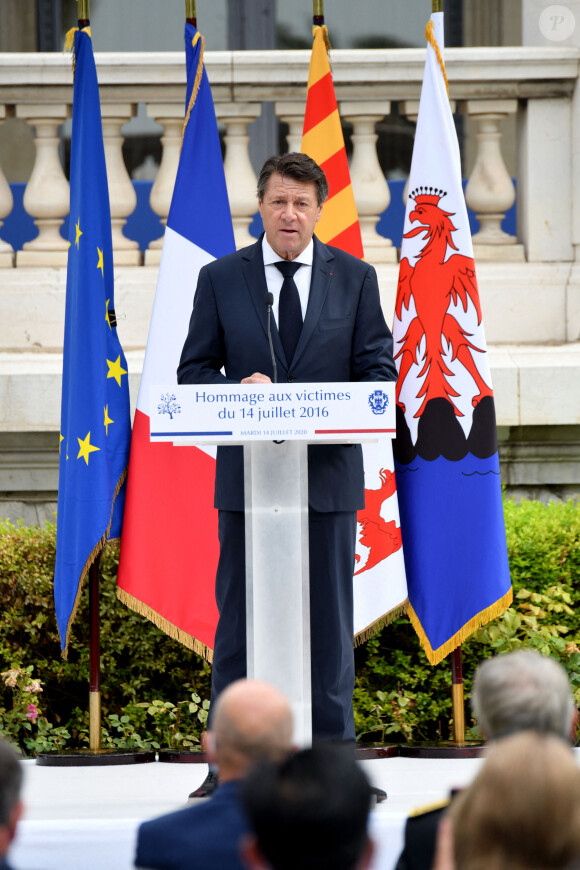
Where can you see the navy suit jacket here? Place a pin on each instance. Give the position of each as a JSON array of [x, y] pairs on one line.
[[344, 338], [203, 837]]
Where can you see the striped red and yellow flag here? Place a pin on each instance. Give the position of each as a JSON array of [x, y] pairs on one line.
[[322, 140]]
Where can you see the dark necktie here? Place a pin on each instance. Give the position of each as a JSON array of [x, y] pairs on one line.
[[289, 310]]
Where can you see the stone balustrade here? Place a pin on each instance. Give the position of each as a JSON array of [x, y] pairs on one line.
[[536, 85]]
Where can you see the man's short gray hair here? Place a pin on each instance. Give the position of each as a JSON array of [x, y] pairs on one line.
[[522, 690], [10, 781]]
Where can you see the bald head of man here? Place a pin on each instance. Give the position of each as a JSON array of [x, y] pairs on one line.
[[252, 721]]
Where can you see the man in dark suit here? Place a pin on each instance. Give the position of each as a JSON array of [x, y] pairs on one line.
[[252, 722], [328, 327]]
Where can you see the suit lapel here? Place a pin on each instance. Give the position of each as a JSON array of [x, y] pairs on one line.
[[319, 287], [255, 278]]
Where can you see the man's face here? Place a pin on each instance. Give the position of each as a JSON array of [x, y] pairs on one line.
[[289, 213]]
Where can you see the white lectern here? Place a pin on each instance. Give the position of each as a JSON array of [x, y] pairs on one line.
[[275, 423]]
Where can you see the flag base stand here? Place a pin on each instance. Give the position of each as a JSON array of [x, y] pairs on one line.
[[469, 749], [182, 756], [90, 758]]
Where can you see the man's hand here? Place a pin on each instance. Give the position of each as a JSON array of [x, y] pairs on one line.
[[256, 378]]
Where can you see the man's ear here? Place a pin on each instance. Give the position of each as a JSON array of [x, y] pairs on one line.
[[15, 816], [250, 853]]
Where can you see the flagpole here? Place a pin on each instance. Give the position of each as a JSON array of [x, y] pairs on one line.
[[318, 12], [95, 660], [84, 15], [457, 696], [190, 13]]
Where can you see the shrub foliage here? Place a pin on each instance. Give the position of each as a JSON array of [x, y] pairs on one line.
[[155, 692]]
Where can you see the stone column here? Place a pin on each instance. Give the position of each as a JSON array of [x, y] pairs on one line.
[[122, 196], [490, 191], [370, 187], [170, 116], [47, 196], [240, 177], [6, 205], [292, 113]]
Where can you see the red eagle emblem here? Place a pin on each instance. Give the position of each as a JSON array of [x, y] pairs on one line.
[[381, 537], [436, 283]]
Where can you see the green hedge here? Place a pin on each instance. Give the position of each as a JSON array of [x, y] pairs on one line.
[[155, 692]]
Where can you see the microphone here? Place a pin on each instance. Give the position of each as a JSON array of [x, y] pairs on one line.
[[269, 299]]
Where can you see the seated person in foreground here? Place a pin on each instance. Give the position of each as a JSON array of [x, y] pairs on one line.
[[252, 721], [522, 811], [512, 692], [10, 803], [310, 812]]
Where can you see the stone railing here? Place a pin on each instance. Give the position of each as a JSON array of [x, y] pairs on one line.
[[536, 85]]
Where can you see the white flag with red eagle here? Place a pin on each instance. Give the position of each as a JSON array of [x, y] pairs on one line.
[[446, 458]]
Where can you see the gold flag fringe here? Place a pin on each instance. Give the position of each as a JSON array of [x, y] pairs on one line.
[[95, 552], [176, 633], [479, 620], [196, 83], [386, 619], [430, 37]]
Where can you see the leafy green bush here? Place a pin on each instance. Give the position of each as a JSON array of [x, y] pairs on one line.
[[154, 692]]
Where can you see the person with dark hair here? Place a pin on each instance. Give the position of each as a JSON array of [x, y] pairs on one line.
[[252, 721], [10, 803], [329, 326], [513, 692], [310, 811]]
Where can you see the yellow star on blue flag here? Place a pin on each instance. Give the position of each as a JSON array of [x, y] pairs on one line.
[[90, 494]]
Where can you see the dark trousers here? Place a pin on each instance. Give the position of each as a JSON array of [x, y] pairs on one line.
[[332, 538]]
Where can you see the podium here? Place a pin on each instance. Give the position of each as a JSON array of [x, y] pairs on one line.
[[275, 423]]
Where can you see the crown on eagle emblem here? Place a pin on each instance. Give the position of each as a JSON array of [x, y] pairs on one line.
[[427, 195]]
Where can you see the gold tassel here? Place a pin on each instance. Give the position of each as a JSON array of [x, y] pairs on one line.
[[196, 83], [187, 640], [324, 28], [479, 620], [430, 37]]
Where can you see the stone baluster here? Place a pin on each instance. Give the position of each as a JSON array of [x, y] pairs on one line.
[[240, 177], [122, 196], [370, 187], [170, 116], [292, 113], [490, 191], [46, 197], [6, 205]]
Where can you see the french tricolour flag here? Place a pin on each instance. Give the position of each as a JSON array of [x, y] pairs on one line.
[[169, 545]]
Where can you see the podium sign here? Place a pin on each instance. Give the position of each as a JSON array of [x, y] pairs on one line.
[[237, 413], [275, 423]]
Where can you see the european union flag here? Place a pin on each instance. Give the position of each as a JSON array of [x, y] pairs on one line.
[[95, 417]]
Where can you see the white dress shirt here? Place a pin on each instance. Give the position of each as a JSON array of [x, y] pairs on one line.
[[275, 279]]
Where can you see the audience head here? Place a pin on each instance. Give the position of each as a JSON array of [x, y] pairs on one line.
[[522, 812], [523, 690], [251, 721], [10, 804], [309, 811]]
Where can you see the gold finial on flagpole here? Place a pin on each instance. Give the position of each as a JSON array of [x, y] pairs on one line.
[[318, 12], [436, 5], [84, 14], [190, 13]]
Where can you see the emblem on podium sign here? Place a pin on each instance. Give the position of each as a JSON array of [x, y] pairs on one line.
[[168, 404], [378, 402]]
